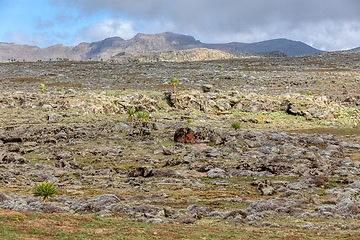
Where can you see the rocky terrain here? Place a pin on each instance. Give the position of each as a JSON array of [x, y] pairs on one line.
[[292, 168], [161, 42], [196, 54]]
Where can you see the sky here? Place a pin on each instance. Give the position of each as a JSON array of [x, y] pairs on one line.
[[328, 25]]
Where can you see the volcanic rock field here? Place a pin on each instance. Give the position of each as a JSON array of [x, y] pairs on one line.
[[294, 163]]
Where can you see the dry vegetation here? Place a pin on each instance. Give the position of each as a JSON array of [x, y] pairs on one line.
[[290, 172]]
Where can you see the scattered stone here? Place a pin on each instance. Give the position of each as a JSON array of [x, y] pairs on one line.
[[80, 140], [217, 173], [207, 88]]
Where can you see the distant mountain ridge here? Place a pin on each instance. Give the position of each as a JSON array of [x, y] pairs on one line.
[[291, 48], [160, 42]]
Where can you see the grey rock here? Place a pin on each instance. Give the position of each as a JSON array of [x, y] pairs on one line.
[[13, 158], [223, 105], [298, 185], [252, 107], [269, 224], [222, 183], [350, 145], [46, 106], [145, 171], [186, 219], [165, 173], [309, 226], [269, 190], [326, 209], [159, 221], [290, 193], [107, 197], [199, 210], [216, 214], [334, 151], [207, 88], [47, 207], [146, 209], [217, 173], [4, 197]]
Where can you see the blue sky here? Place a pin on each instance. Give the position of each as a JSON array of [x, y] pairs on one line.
[[41, 23], [323, 24]]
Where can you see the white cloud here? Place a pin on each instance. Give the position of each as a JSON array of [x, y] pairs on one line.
[[104, 29], [156, 26], [32, 40], [328, 35], [44, 24], [330, 24]]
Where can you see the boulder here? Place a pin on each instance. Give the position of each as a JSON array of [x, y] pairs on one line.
[[252, 107], [12, 158], [217, 173], [144, 171], [198, 210], [4, 197], [334, 151], [194, 134], [140, 132], [269, 190], [207, 88], [223, 105], [165, 173]]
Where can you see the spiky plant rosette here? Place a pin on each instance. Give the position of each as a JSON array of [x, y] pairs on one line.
[[45, 190], [142, 116], [42, 87], [236, 125], [131, 112], [174, 82]]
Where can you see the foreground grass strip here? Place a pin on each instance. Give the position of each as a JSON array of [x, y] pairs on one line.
[[16, 225]]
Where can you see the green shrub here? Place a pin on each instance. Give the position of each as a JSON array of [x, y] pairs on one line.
[[142, 116], [59, 89], [42, 87], [174, 82], [309, 93], [131, 112], [235, 125], [45, 190], [15, 218]]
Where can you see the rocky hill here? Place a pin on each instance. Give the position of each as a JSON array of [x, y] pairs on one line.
[[291, 48], [196, 54], [161, 42]]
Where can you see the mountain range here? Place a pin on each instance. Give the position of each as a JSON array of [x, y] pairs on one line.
[[160, 42]]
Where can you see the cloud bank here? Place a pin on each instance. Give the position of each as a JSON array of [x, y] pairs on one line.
[[104, 29], [324, 24]]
